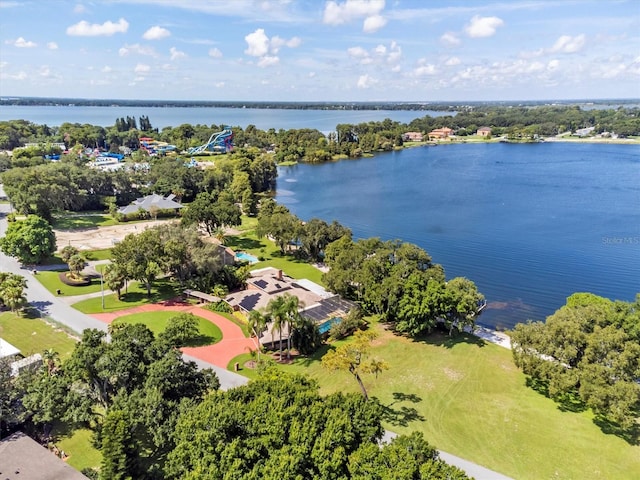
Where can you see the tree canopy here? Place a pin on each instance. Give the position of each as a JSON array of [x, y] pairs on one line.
[[279, 427], [30, 240], [587, 352]]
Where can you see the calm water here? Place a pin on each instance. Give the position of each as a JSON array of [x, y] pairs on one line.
[[160, 117], [530, 224]]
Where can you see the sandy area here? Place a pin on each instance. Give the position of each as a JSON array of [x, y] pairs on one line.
[[103, 237]]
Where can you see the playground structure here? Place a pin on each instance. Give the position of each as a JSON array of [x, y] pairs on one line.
[[155, 147], [219, 142]]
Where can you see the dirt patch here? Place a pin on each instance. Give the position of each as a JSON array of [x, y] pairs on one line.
[[101, 237]]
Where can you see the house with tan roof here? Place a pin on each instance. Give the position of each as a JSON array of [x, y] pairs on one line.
[[440, 133]]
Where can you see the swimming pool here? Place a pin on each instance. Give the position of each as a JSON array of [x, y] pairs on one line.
[[325, 326], [246, 257]]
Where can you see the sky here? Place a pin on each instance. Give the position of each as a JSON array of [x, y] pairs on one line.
[[316, 50]]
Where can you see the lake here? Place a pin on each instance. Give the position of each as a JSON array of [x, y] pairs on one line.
[[529, 223], [160, 117]]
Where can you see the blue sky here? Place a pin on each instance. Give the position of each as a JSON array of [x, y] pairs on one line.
[[305, 50]]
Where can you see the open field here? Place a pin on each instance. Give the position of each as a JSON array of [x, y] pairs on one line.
[[158, 321], [469, 399], [94, 238], [33, 335], [135, 296]]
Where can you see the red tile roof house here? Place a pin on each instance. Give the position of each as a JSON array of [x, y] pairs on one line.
[[440, 133], [484, 131], [412, 137]]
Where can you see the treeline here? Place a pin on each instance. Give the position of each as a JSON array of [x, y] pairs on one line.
[[395, 280], [587, 355], [352, 140], [43, 188]]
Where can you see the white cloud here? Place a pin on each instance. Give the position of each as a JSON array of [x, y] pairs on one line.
[[553, 64], [268, 61], [483, 26], [142, 69], [373, 23], [276, 43], [380, 54], [52, 45], [453, 61], [450, 39], [176, 54], [366, 81], [425, 69], [137, 49], [156, 33], [357, 52], [79, 8], [218, 84], [257, 43], [338, 13], [108, 28], [568, 44], [105, 69], [215, 53], [20, 42]]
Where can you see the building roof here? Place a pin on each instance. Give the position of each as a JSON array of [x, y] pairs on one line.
[[153, 200], [7, 350], [22, 458], [484, 129]]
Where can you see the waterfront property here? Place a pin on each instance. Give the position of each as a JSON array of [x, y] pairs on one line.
[[268, 283], [484, 132]]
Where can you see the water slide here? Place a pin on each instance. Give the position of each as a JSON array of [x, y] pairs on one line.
[[218, 142]]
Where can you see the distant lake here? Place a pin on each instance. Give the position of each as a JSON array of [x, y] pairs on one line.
[[530, 224], [160, 117]]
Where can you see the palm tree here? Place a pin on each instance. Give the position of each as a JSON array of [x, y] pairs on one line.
[[277, 314], [257, 323], [51, 357], [291, 305]]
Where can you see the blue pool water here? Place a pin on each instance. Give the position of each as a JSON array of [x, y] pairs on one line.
[[325, 326], [243, 256]]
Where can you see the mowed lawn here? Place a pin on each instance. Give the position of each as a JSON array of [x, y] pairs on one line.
[[158, 321], [33, 335], [51, 281], [470, 400], [135, 296]]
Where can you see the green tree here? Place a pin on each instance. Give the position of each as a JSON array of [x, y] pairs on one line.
[[114, 278], [587, 351], [12, 290], [30, 240], [140, 257], [352, 358], [181, 330]]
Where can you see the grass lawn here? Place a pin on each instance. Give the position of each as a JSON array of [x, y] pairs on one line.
[[79, 222], [265, 248], [77, 445], [158, 321], [33, 335], [91, 255], [470, 400], [136, 295], [51, 281]]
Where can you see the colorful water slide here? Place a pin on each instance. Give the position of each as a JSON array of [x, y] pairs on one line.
[[218, 142]]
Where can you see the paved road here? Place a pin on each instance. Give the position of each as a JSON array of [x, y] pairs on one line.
[[51, 306]]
